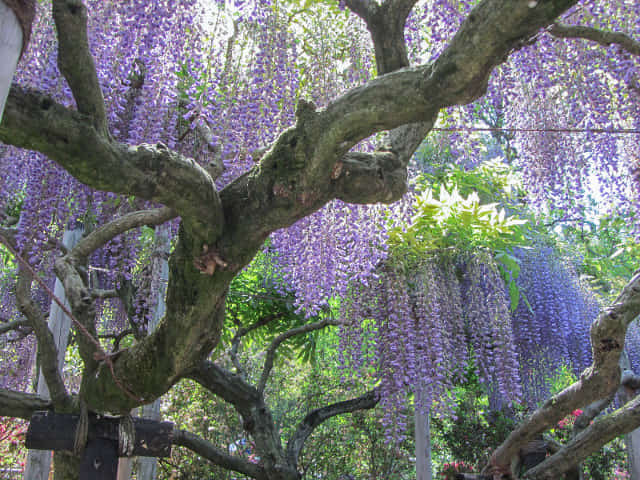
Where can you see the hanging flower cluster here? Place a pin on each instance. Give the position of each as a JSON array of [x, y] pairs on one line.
[[552, 327]]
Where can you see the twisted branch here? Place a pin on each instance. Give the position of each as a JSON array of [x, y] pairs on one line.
[[9, 326], [105, 233], [242, 331], [601, 37], [271, 351], [76, 62], [365, 402], [47, 350], [216, 455], [21, 405]]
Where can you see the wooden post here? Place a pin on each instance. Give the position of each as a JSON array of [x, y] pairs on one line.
[[422, 437], [16, 17], [39, 462], [55, 431], [125, 468], [633, 452], [632, 439], [10, 47]]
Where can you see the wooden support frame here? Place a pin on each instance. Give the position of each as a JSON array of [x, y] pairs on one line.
[[56, 431]]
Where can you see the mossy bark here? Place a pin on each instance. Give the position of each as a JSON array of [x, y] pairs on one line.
[[66, 466]]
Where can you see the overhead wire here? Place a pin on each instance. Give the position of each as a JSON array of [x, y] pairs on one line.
[[613, 131]]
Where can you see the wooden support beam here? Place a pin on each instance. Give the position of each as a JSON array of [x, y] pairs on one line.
[[56, 431]]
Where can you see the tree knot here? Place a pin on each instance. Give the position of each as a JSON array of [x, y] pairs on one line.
[[337, 170], [305, 110], [609, 344]]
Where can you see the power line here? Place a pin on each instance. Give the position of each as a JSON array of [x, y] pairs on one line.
[[613, 131]]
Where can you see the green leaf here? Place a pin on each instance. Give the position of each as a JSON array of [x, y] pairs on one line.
[[511, 263], [514, 295]]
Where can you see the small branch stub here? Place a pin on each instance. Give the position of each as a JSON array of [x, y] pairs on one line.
[[337, 170], [209, 261]]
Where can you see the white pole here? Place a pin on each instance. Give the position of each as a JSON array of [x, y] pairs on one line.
[[631, 439], [39, 461], [148, 466], [10, 48], [422, 437]]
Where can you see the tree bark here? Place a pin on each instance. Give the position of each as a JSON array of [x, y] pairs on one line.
[[301, 172], [21, 405]]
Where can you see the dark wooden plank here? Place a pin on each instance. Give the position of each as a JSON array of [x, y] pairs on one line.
[[51, 431], [100, 460], [56, 431], [472, 476]]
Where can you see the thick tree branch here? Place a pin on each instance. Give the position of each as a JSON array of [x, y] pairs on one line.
[[365, 9], [9, 326], [153, 172], [102, 293], [271, 351], [76, 62], [370, 177], [242, 331], [590, 412], [601, 37], [365, 402], [105, 233], [590, 440], [386, 25], [186, 335], [82, 307], [216, 455], [231, 388], [21, 405], [47, 351], [257, 420], [295, 177], [630, 380], [598, 381]]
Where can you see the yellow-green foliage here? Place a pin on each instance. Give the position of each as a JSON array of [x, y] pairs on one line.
[[446, 220]]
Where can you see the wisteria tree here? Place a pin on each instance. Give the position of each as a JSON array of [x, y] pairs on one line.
[[133, 116]]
